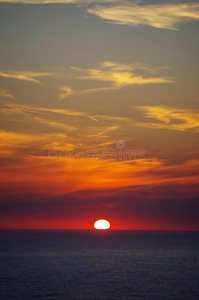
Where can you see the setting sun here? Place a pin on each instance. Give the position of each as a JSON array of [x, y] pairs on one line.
[[102, 224]]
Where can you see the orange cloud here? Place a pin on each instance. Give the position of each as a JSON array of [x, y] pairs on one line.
[[65, 175]]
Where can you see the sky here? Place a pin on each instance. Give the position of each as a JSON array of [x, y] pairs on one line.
[[99, 114]]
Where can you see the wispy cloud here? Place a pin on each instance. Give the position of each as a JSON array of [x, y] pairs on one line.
[[55, 124], [42, 1], [158, 117], [56, 1], [13, 108], [25, 75], [6, 94], [19, 143], [163, 117], [167, 16], [119, 75], [66, 91], [77, 129], [60, 175]]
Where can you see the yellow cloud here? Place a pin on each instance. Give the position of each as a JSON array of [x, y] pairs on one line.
[[6, 94], [42, 1], [119, 75], [55, 124], [15, 143], [20, 108], [28, 76], [82, 129], [66, 91], [167, 16], [44, 115], [171, 118], [55, 1]]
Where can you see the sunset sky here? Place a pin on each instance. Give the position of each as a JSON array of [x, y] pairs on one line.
[[83, 84]]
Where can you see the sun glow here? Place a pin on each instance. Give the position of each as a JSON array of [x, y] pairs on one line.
[[102, 224]]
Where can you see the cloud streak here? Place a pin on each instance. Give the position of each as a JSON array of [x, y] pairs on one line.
[[121, 75], [42, 1], [20, 108], [68, 91], [171, 118], [25, 75], [166, 16], [56, 1], [118, 75], [6, 94], [61, 120]]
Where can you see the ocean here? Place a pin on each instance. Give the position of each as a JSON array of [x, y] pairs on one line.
[[90, 264]]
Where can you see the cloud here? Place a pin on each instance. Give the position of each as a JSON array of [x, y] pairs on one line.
[[43, 1], [161, 117], [75, 124], [60, 174], [55, 124], [27, 76], [119, 75], [158, 117], [6, 94], [56, 1], [20, 108], [18, 144], [167, 16], [81, 129], [171, 118], [67, 91]]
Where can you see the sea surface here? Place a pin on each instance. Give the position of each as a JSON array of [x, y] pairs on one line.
[[90, 264]]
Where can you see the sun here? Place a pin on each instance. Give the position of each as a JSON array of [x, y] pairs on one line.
[[102, 224]]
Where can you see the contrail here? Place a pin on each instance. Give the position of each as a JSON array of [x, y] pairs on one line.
[[93, 118]]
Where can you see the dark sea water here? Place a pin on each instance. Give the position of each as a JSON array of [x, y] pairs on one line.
[[64, 264]]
